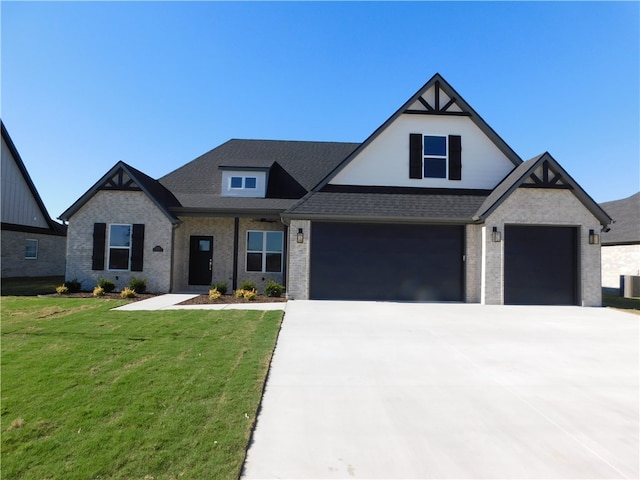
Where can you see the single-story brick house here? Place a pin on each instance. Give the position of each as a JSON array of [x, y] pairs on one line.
[[433, 206], [621, 243]]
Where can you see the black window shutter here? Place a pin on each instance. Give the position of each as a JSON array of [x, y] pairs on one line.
[[97, 260], [137, 247], [455, 157], [415, 155]]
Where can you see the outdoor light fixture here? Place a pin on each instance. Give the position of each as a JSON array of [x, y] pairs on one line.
[[594, 238], [496, 236], [300, 236]]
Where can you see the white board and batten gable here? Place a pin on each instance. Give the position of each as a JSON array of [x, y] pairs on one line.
[[435, 140]]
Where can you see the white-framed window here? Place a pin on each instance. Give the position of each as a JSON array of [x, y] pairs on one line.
[[264, 251], [435, 156], [31, 249], [242, 182], [119, 247]]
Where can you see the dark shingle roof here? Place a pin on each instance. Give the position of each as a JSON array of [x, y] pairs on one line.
[[296, 167], [385, 206], [626, 217]]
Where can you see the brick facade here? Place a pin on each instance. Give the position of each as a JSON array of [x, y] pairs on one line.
[[222, 231], [50, 261], [619, 260], [299, 260], [537, 206], [126, 208]]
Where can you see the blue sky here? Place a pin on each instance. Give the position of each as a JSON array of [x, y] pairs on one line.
[[156, 84]]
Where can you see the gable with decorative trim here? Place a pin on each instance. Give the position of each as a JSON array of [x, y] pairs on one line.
[[434, 141]]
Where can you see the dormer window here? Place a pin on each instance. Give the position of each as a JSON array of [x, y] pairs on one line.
[[244, 182]]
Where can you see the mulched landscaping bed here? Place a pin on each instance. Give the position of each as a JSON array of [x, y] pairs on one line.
[[111, 296], [204, 299]]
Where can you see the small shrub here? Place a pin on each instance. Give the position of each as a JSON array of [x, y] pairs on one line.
[[106, 284], [273, 289], [214, 294], [62, 289], [250, 295], [247, 285], [74, 285], [127, 293], [220, 287], [98, 291], [239, 293], [138, 284]]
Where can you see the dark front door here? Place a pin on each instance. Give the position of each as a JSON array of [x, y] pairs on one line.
[[387, 262], [540, 265], [200, 260]]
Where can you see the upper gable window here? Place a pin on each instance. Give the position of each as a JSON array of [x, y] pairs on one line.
[[435, 156], [244, 183]]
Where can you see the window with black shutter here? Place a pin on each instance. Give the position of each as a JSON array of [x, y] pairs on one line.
[[137, 247], [435, 156], [97, 259]]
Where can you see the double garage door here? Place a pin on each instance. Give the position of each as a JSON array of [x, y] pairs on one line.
[[426, 263], [387, 262]]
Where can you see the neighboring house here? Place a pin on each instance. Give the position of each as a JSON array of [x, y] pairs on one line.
[[621, 244], [433, 206], [33, 245]]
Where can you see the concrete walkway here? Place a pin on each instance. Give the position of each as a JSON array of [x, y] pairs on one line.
[[170, 302], [392, 390]]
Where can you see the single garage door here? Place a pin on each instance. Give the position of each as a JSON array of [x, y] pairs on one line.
[[540, 265], [386, 262]]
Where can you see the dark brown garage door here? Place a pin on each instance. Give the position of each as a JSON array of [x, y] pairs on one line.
[[540, 265], [386, 262]]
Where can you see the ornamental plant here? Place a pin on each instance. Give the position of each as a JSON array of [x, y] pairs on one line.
[[62, 289], [98, 291], [273, 289], [247, 285], [127, 293], [250, 295], [214, 294], [73, 286], [108, 285], [138, 284], [220, 287]]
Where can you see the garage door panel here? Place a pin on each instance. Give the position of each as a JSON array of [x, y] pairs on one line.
[[540, 265], [386, 262]]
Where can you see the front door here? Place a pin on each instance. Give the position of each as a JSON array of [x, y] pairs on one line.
[[200, 260]]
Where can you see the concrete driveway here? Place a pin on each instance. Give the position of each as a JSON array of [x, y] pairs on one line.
[[393, 390]]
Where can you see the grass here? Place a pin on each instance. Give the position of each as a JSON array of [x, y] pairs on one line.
[[30, 285], [90, 393], [631, 305]]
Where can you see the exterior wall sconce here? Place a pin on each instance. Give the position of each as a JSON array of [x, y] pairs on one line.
[[594, 238], [496, 236], [300, 236]]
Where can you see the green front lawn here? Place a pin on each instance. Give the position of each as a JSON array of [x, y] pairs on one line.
[[90, 393]]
